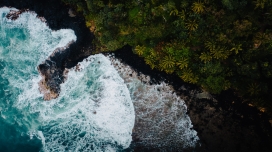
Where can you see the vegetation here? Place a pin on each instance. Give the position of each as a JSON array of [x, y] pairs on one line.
[[216, 44]]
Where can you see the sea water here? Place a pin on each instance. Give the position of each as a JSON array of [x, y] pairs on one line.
[[161, 121], [93, 112]]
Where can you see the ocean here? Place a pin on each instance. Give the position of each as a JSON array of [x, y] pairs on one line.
[[98, 107]]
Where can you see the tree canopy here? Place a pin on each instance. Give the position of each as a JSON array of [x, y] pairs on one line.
[[216, 44]]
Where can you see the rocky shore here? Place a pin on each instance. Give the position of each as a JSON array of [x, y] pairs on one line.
[[52, 72], [161, 121], [57, 17], [223, 122]]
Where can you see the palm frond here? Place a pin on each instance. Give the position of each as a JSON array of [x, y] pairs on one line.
[[198, 7]]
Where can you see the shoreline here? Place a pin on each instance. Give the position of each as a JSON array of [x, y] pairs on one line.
[[222, 125], [170, 128], [57, 17]]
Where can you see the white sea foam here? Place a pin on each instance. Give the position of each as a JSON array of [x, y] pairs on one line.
[[93, 112], [40, 134], [41, 41], [161, 120], [93, 109], [24, 44]]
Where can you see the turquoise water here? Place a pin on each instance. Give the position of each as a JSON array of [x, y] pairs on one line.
[[93, 112]]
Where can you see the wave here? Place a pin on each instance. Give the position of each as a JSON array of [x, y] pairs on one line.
[[161, 120], [93, 111]]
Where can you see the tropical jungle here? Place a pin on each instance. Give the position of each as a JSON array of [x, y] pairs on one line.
[[215, 44]]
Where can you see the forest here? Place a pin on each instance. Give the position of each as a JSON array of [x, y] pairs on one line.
[[215, 44]]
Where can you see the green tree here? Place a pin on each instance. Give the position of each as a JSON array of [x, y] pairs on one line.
[[191, 25], [167, 64], [214, 44], [205, 57], [198, 7], [182, 63]]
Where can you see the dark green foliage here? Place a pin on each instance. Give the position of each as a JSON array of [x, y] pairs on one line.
[[215, 44]]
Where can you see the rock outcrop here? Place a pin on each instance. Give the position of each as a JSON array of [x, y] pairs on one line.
[[13, 14], [52, 72]]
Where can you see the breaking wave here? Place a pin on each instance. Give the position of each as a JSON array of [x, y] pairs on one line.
[[93, 112], [161, 120]]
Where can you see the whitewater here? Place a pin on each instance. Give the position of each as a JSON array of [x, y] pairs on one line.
[[94, 110]]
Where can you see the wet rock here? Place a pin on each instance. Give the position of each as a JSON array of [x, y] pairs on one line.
[[52, 73], [223, 122], [71, 13], [51, 79], [161, 121], [13, 14], [55, 13], [222, 126], [203, 95]]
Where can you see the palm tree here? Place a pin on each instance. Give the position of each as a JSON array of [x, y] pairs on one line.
[[254, 89], [174, 12], [198, 7], [206, 57], [237, 48], [188, 76], [139, 50], [220, 53], [259, 39], [150, 60], [182, 15], [167, 63], [183, 63], [217, 52], [210, 45], [191, 25]]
